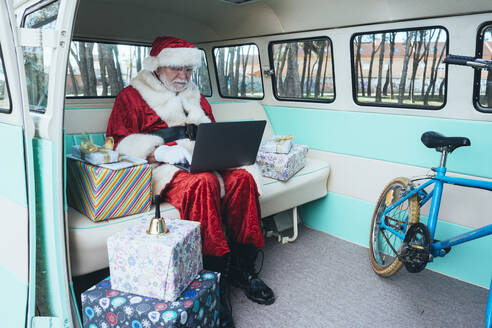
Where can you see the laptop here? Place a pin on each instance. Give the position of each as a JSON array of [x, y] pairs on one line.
[[224, 145]]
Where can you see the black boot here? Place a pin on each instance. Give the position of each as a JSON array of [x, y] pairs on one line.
[[222, 265], [243, 274]]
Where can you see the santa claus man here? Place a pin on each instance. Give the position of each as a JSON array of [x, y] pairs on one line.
[[154, 118]]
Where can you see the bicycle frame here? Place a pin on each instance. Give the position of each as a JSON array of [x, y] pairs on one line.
[[438, 248]]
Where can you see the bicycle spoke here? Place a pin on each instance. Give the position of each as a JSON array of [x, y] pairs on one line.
[[389, 243], [386, 243]]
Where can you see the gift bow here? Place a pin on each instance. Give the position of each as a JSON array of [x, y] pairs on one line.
[[88, 147], [284, 138]]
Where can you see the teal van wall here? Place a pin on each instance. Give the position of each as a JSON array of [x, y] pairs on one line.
[[13, 187], [392, 138], [51, 296]]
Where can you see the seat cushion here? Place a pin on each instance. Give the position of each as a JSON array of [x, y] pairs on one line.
[[88, 250]]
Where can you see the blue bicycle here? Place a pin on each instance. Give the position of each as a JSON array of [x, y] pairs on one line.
[[397, 237]]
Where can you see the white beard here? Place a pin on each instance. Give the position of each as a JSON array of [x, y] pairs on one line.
[[170, 86]]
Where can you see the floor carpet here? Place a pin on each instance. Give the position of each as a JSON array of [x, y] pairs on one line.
[[323, 281]]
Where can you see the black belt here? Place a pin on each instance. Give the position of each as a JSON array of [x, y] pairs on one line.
[[176, 132]]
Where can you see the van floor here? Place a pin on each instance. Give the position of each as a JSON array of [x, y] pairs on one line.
[[324, 281]]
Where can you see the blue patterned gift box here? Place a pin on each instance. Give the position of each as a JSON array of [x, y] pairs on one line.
[[282, 166], [155, 266], [104, 307]]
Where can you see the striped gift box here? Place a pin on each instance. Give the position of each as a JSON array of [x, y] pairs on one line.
[[103, 194]]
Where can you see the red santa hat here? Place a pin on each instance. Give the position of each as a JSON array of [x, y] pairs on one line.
[[172, 52]]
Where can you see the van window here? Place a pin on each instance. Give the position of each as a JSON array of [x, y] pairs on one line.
[[97, 69], [37, 60], [303, 69], [4, 88], [238, 71], [42, 16], [483, 78], [400, 68], [201, 77]]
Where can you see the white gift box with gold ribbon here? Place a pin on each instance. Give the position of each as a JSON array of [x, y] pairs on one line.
[[94, 154], [98, 157], [277, 144]]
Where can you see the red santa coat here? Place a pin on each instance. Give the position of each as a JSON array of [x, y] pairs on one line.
[[147, 105]]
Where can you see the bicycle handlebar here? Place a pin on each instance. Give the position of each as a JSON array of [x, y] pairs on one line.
[[477, 63]]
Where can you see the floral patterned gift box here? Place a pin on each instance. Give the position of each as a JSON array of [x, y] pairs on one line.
[[104, 307], [155, 266], [282, 166]]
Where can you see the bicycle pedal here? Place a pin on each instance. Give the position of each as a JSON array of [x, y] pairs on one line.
[[415, 250]]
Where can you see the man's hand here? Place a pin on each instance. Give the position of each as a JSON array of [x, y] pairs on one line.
[[172, 154], [151, 158]]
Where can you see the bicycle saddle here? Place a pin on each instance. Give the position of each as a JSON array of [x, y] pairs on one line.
[[436, 140]]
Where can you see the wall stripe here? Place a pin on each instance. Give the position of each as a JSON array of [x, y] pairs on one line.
[[12, 174], [349, 218], [394, 138]]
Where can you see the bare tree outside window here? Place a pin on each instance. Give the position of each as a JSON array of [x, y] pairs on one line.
[[403, 68], [102, 69], [201, 77], [98, 69], [303, 69], [239, 71], [485, 97]]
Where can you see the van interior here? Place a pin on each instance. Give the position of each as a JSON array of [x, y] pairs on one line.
[[358, 82]]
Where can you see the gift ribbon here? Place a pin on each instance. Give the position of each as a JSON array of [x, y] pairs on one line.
[[285, 138], [280, 140], [88, 147]]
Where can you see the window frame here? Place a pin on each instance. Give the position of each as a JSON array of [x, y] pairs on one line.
[[101, 41], [5, 110], [217, 74], [208, 71], [273, 76], [476, 77], [418, 28], [35, 7]]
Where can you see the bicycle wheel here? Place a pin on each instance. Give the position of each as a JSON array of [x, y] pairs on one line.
[[382, 243]]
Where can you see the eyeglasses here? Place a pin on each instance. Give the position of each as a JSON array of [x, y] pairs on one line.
[[186, 69]]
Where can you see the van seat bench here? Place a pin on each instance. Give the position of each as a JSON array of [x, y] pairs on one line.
[[87, 239]]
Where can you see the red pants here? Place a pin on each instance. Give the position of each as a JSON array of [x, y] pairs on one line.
[[197, 197]]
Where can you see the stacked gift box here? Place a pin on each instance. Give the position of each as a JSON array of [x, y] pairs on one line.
[[155, 280], [103, 306], [103, 185], [279, 158], [155, 266]]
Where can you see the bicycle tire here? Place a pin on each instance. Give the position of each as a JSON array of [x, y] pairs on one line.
[[377, 240]]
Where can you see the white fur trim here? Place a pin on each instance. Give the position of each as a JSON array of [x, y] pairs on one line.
[[255, 172], [221, 183], [139, 145], [174, 109], [161, 176], [174, 57], [150, 63]]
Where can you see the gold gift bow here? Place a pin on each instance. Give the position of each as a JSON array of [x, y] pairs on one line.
[[285, 138], [87, 147], [279, 140]]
